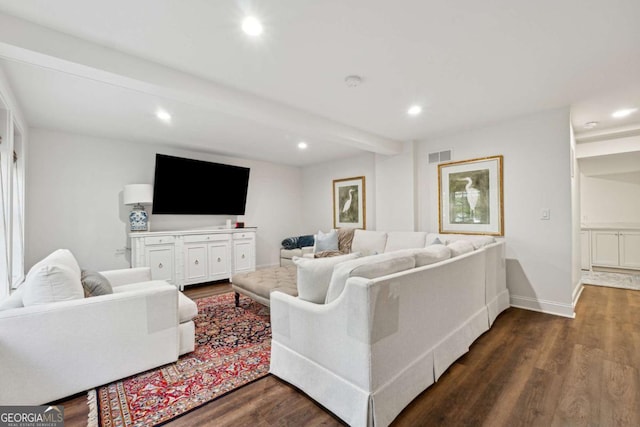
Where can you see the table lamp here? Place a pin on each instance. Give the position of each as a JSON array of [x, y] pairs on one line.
[[138, 195]]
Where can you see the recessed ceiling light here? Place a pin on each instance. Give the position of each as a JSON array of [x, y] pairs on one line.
[[302, 145], [252, 26], [623, 113], [414, 110], [163, 115], [590, 125]]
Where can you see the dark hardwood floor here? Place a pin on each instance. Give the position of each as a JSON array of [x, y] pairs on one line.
[[530, 369]]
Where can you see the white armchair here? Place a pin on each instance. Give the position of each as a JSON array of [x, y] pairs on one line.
[[54, 350]]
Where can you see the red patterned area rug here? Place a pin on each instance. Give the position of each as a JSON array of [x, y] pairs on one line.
[[232, 349]]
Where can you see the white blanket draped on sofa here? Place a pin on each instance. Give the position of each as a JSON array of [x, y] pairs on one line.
[[383, 341]]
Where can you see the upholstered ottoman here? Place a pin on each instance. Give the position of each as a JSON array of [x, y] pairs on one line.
[[259, 284]]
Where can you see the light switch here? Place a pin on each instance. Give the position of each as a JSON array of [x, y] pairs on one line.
[[545, 214]]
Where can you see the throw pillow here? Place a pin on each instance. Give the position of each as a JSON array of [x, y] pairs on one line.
[[13, 301], [95, 284], [290, 243], [326, 241], [307, 240], [314, 275], [51, 283], [345, 239], [59, 257], [437, 241]]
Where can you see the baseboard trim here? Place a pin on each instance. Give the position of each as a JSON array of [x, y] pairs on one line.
[[543, 306], [577, 292]]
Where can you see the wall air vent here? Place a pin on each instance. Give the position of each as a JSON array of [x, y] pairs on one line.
[[440, 156]]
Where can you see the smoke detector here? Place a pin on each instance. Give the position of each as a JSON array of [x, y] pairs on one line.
[[353, 81]]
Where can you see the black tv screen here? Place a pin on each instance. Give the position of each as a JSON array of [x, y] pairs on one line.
[[194, 187]]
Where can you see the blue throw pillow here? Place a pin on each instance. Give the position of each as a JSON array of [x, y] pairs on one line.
[[290, 243], [326, 241], [307, 240]]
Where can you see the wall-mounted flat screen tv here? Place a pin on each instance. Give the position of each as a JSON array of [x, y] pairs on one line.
[[194, 187]]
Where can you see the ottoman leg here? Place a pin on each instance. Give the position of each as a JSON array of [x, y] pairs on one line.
[[237, 299]]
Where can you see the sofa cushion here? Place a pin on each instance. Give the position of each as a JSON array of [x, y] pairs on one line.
[[431, 254], [460, 247], [314, 276], [95, 284], [397, 240], [369, 242], [51, 283], [326, 241], [369, 267]]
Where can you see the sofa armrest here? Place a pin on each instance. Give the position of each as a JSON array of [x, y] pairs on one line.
[[126, 276], [72, 346]]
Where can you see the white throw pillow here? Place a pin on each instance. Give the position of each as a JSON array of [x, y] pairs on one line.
[[460, 247], [51, 283], [326, 241], [14, 300], [314, 275], [369, 267], [59, 257]]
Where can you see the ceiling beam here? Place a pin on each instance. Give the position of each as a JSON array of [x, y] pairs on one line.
[[26, 42]]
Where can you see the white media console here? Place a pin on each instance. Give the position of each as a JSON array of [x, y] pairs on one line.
[[194, 256]]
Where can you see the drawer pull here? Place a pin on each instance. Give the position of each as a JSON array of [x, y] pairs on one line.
[[242, 256], [160, 241], [160, 265], [219, 259], [197, 262]]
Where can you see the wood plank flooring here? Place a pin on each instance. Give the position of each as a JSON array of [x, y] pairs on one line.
[[530, 369]]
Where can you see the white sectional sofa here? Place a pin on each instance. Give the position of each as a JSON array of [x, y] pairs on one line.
[[378, 341], [49, 351]]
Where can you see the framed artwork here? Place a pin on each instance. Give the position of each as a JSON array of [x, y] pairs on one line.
[[349, 203], [470, 196]]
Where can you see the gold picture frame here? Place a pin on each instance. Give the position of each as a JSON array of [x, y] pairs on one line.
[[471, 197], [349, 203]]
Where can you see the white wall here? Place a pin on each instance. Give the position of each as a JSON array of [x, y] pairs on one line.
[[74, 198], [606, 200], [317, 201], [536, 151], [396, 209]]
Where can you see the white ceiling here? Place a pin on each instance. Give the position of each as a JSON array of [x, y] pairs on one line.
[[468, 63]]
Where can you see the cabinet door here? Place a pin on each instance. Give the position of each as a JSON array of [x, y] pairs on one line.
[[219, 262], [243, 256], [629, 249], [195, 263], [160, 259], [604, 249], [585, 262]]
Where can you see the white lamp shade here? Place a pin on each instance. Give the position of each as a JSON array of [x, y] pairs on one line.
[[138, 193]]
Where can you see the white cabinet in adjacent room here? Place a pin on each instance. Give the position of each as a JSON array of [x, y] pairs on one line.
[[194, 256], [615, 248], [629, 243], [604, 250]]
